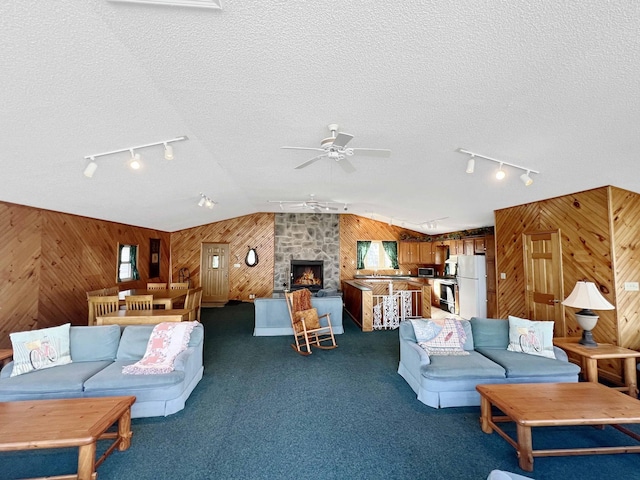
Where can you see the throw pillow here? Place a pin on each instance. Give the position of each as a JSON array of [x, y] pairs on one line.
[[310, 317], [448, 340], [39, 349], [534, 338]]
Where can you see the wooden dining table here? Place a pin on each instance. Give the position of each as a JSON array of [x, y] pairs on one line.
[[143, 317], [166, 298]]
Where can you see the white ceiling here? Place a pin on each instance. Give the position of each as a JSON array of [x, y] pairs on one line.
[[552, 85]]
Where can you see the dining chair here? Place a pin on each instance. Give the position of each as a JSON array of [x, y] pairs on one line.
[[139, 302], [101, 292], [178, 286], [192, 303], [100, 305], [156, 286], [112, 290]]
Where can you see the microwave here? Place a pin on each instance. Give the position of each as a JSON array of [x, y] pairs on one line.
[[426, 272]]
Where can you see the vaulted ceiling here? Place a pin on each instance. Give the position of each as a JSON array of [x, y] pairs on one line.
[[551, 85]]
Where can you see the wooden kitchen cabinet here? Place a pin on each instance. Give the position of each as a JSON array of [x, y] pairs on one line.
[[456, 247], [479, 247], [408, 252], [468, 246], [425, 253], [440, 254]]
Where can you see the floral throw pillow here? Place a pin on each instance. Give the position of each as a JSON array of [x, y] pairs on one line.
[[531, 337], [39, 349], [440, 338]]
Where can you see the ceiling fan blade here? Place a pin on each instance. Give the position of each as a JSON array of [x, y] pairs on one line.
[[342, 139], [371, 152], [346, 165], [309, 162], [305, 148]]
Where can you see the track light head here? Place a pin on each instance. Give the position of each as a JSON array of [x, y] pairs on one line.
[[205, 201], [168, 151], [201, 202], [500, 174], [471, 164], [526, 179], [91, 168], [134, 162]]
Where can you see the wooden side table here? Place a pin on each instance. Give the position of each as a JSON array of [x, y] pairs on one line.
[[5, 356], [591, 355]]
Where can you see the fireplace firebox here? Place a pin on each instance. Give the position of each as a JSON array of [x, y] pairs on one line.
[[307, 274]]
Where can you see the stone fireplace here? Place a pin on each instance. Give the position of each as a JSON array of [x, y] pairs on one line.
[[309, 236], [306, 274]]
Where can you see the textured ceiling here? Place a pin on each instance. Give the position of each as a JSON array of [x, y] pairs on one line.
[[551, 85]]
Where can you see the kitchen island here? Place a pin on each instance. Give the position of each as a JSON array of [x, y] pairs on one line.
[[360, 294]]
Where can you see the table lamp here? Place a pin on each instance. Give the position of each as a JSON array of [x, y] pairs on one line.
[[586, 296]]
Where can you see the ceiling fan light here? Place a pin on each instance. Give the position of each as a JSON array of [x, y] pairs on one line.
[[471, 164], [168, 152], [526, 179], [91, 168]]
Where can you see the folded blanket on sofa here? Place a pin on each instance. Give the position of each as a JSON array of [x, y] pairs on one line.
[[166, 342]]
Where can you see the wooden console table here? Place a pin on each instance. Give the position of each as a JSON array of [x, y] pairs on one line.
[[590, 355], [69, 422]]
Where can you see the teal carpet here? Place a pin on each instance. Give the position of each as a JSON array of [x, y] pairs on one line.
[[264, 412]]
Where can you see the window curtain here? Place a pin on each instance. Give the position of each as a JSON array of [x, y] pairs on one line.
[[362, 247], [120, 247], [391, 249], [134, 262]]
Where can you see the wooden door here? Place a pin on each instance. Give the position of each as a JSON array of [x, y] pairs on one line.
[[214, 272], [543, 276]]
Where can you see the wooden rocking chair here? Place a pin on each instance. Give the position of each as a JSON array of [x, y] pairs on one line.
[[307, 328]]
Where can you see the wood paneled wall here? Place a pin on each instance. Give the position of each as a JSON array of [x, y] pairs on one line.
[[49, 260], [354, 228], [600, 242], [240, 233]]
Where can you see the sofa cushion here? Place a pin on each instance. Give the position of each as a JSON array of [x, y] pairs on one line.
[[111, 381], [62, 379], [134, 339], [522, 365], [490, 333], [99, 342], [40, 349], [456, 367]]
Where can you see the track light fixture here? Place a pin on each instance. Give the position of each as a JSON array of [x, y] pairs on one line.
[[471, 164], [168, 151], [205, 201], [500, 174], [91, 168], [134, 161], [526, 179]]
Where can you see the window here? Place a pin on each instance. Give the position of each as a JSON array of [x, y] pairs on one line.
[[376, 258], [127, 263]]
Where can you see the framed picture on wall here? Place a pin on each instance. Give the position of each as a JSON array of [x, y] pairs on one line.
[[154, 257]]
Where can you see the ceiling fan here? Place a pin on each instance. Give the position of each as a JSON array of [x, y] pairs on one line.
[[311, 204], [334, 147]]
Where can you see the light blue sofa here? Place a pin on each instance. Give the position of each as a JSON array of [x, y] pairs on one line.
[[98, 354], [272, 315], [450, 381]]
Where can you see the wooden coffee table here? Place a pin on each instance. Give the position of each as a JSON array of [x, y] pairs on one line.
[[556, 404], [72, 422]]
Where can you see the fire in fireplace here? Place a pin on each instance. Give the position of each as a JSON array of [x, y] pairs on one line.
[[307, 274]]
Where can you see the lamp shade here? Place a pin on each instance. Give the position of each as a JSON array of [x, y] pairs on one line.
[[585, 295]]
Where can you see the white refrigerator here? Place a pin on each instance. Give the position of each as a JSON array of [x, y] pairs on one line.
[[472, 286]]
